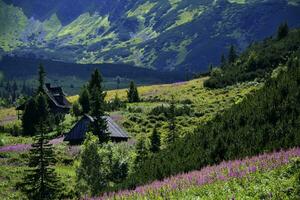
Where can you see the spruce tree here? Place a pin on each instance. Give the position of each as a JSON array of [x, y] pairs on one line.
[[41, 181], [283, 31], [172, 133], [155, 141], [41, 79], [29, 117], [95, 82], [97, 103], [232, 54], [99, 126], [141, 151], [132, 93], [84, 100]]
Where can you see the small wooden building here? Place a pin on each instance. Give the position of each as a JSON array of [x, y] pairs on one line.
[[57, 100], [78, 132]]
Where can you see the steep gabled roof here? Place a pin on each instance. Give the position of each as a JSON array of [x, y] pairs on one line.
[[77, 133]]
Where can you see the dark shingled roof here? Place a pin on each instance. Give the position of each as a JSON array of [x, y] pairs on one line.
[[77, 133]]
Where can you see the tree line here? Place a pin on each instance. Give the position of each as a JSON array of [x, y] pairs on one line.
[[257, 62]]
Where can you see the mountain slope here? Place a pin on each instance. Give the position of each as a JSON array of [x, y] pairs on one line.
[[168, 34]]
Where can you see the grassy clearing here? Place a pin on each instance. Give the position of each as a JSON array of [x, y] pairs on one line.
[[202, 103]]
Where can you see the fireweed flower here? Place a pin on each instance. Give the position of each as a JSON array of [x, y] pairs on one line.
[[222, 172]]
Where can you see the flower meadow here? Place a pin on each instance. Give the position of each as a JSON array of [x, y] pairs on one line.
[[225, 171]]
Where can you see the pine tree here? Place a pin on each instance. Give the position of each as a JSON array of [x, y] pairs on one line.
[[223, 61], [132, 93], [41, 181], [29, 117], [155, 141], [95, 82], [97, 103], [232, 54], [141, 151], [41, 79], [99, 126], [84, 101], [172, 133], [283, 31]]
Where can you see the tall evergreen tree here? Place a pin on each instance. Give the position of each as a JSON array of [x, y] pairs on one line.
[[283, 31], [99, 126], [132, 93], [41, 181], [232, 54], [84, 100], [29, 117], [97, 106], [95, 82], [155, 141], [172, 133], [141, 151], [41, 79]]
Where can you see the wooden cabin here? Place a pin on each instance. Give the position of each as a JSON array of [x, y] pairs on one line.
[[58, 103], [78, 132]]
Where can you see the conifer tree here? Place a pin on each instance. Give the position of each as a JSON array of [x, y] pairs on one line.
[[84, 101], [41, 181], [97, 104], [171, 134], [283, 31], [95, 82], [155, 141], [29, 117], [232, 54], [41, 79], [141, 151], [99, 126], [132, 93]]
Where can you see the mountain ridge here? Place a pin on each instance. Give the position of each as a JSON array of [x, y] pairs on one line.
[[163, 35]]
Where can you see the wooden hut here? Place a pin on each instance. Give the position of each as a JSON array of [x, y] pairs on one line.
[[57, 100], [78, 132]]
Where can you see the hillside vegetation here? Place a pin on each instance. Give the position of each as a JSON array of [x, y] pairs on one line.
[[161, 34], [258, 61], [266, 120]]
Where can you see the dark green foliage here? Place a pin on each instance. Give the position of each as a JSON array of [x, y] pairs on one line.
[[267, 120], [155, 141], [257, 62], [283, 31], [132, 93], [99, 126], [92, 172], [84, 100], [29, 117], [41, 79], [40, 181], [95, 82], [141, 151], [97, 96], [171, 136], [76, 110], [232, 56]]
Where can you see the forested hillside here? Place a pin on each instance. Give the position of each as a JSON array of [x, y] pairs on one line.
[[264, 121], [160, 34]]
